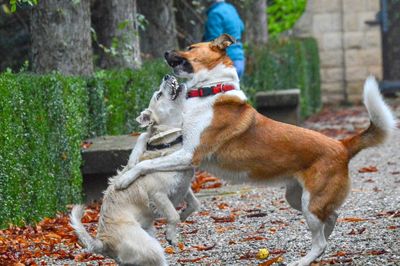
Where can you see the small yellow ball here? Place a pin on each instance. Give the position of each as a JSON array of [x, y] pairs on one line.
[[263, 253]]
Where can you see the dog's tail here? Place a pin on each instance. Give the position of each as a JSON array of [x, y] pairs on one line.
[[382, 121], [90, 243]]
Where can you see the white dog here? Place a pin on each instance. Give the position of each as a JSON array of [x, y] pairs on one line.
[[125, 230], [227, 137]]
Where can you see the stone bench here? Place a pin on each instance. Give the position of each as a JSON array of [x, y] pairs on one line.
[[101, 160], [280, 105]]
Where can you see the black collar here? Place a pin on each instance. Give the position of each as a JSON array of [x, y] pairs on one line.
[[164, 146]]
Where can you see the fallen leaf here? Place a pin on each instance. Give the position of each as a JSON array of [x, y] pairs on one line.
[[222, 206], [86, 144], [351, 220], [224, 219], [358, 231], [368, 169], [376, 252], [181, 246], [169, 250], [393, 227], [204, 248], [253, 238], [187, 260]]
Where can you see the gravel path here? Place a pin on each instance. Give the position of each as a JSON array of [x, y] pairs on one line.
[[255, 217]]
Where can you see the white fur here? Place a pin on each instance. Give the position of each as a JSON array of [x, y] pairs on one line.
[[126, 218], [379, 112]]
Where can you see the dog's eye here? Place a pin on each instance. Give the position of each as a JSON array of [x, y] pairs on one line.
[[158, 95], [189, 48]]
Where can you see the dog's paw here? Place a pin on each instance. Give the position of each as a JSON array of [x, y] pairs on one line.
[[125, 180]]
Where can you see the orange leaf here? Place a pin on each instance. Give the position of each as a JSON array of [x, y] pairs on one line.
[[225, 219], [222, 206], [253, 238], [369, 169], [191, 260], [351, 220], [204, 248], [169, 250], [181, 246]]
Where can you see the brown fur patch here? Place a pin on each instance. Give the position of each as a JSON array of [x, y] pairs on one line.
[[241, 139], [204, 56]]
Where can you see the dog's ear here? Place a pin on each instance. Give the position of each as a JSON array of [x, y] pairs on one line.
[[144, 119], [222, 42]]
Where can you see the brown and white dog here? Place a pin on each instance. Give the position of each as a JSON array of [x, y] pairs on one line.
[[227, 137]]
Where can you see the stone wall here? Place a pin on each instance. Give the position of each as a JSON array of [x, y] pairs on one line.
[[349, 49]]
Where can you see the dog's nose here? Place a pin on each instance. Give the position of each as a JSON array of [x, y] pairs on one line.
[[166, 77], [166, 54]]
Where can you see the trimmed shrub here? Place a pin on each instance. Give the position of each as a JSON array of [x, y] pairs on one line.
[[43, 119], [286, 64], [118, 97]]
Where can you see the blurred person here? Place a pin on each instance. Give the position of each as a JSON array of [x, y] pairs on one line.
[[222, 18]]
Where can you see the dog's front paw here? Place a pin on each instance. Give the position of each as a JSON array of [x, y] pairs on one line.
[[171, 85], [125, 180]]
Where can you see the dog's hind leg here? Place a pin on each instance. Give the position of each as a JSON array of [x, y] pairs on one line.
[[165, 206], [293, 194], [317, 230], [193, 204], [330, 224]]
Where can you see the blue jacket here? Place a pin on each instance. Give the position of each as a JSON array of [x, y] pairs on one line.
[[223, 18]]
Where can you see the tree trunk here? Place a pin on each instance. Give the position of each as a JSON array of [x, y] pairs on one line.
[[256, 23], [190, 17], [116, 26], [254, 16], [159, 34], [61, 39]]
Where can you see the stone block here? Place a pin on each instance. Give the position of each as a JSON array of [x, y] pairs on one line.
[[332, 41], [323, 23], [280, 105], [372, 5], [332, 98], [373, 38], [102, 160], [350, 22], [354, 40], [331, 75], [351, 6], [375, 70], [356, 73], [326, 6], [354, 57], [331, 58], [366, 16], [372, 56], [355, 87], [332, 88]]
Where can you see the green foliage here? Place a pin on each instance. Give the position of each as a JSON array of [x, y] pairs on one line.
[[286, 64], [43, 119], [15, 3], [283, 14]]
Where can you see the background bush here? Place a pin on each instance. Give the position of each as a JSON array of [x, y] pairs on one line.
[[286, 64], [43, 120], [283, 14]]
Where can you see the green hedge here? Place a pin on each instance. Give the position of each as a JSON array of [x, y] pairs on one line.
[[285, 64], [118, 97], [43, 119]]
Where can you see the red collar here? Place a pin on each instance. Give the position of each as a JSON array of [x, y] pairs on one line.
[[207, 91]]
